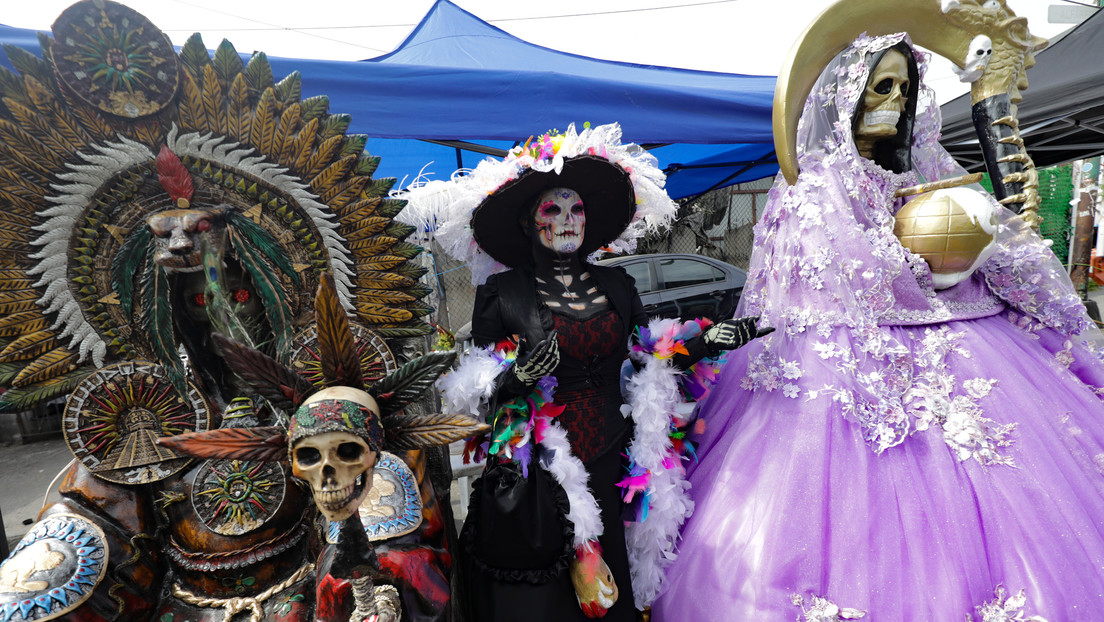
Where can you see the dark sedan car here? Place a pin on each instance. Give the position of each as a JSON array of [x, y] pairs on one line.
[[683, 285]]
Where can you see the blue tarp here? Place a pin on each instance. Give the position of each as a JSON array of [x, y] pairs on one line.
[[458, 80]]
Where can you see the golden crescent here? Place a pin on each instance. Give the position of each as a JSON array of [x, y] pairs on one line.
[[830, 33]]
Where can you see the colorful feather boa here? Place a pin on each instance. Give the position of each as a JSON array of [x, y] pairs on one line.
[[660, 403], [655, 488]]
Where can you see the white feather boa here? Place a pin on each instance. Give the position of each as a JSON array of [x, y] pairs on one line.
[[469, 387], [654, 400]]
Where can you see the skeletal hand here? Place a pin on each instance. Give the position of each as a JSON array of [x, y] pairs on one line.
[[733, 334], [595, 588], [538, 362]]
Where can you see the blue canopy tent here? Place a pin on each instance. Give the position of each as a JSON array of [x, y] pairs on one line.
[[458, 89]]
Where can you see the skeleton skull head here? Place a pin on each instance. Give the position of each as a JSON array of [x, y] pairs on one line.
[[559, 220], [334, 447], [884, 99]]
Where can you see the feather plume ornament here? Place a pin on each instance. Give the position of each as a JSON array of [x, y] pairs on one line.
[[220, 311], [283, 388], [411, 380], [405, 431], [263, 444], [174, 178], [337, 348], [276, 307], [158, 325], [276, 383], [136, 248]]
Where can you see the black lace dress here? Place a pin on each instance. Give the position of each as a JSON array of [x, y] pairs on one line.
[[592, 351]]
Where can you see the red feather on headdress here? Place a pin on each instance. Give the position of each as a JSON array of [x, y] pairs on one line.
[[174, 177]]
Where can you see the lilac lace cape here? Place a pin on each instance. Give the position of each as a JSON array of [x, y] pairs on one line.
[[825, 254]]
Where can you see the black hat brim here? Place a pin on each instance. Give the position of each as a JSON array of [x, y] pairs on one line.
[[608, 200]]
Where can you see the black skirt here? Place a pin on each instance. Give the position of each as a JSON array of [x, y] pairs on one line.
[[496, 597]]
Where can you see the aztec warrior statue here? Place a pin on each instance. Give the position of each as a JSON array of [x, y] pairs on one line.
[[198, 259], [168, 218]]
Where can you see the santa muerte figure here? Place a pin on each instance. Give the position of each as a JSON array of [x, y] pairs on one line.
[[568, 460], [922, 437], [152, 199]]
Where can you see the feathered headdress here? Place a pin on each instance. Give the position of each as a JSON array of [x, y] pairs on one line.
[[340, 361], [475, 216]]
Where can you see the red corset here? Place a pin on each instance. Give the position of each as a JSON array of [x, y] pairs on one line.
[[591, 353]]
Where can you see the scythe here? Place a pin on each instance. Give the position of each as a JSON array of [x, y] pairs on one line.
[[955, 29]]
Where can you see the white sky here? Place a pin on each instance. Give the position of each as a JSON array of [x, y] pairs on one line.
[[733, 36]]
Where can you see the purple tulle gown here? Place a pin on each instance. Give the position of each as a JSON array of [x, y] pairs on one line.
[[893, 452]]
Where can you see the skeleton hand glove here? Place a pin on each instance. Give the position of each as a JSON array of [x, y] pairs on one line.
[[538, 362], [732, 334]]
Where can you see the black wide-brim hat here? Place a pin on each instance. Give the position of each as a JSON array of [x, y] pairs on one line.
[[608, 200]]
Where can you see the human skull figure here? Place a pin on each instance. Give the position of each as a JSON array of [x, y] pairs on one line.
[[884, 101], [337, 463], [560, 220]]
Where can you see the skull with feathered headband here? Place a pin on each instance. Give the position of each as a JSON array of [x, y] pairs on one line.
[[334, 435]]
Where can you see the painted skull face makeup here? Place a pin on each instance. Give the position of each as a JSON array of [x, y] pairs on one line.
[[560, 220]]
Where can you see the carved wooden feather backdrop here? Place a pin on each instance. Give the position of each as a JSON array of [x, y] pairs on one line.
[[79, 130]]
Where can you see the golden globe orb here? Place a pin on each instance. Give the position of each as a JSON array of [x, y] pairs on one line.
[[952, 229]]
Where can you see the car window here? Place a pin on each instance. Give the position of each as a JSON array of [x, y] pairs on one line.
[[638, 270], [683, 272]]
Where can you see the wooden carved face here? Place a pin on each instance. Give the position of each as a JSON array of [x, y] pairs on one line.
[[178, 235]]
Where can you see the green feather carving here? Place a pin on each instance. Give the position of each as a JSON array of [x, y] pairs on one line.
[[158, 326], [401, 332], [263, 241], [354, 144], [268, 287], [290, 88], [125, 263], [258, 73], [335, 125], [28, 64], [220, 311], [227, 63], [314, 107], [8, 371], [408, 382], [22, 398], [194, 55]]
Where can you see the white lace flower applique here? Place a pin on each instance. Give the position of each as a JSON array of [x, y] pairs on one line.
[[1004, 608], [933, 400], [768, 372], [824, 610]]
